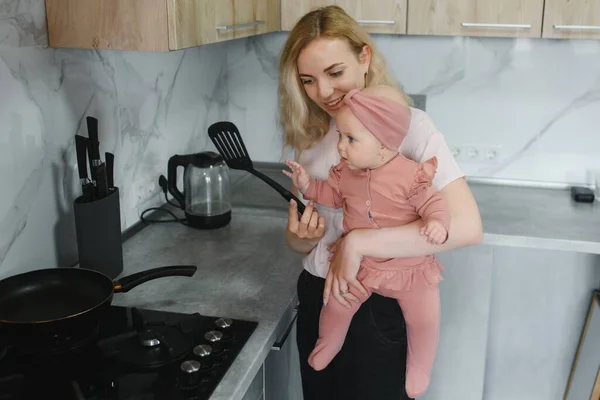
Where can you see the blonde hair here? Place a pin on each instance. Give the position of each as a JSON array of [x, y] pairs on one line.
[[304, 123]]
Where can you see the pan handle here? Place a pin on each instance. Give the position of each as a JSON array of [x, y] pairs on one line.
[[127, 283]]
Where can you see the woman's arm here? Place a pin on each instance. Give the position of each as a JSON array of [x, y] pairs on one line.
[[406, 241], [402, 241]]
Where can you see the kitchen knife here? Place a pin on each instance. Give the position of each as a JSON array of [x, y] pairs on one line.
[[87, 187], [109, 159], [93, 146]]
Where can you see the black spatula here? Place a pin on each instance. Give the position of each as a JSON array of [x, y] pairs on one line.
[[228, 141]]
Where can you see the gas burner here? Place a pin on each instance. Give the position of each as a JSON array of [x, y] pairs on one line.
[[134, 354], [154, 347]]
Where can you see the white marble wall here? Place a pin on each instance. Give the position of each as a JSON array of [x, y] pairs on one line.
[[538, 100], [149, 106]]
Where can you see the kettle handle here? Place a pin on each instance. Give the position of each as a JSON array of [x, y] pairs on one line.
[[174, 162]]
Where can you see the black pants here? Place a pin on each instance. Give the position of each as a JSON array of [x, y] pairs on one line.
[[372, 362]]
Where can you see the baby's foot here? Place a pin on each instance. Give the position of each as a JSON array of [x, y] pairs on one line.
[[417, 381], [322, 355]]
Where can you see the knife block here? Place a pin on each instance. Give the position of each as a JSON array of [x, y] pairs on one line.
[[98, 231]]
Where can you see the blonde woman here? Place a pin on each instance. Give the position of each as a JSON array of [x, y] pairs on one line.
[[327, 55]]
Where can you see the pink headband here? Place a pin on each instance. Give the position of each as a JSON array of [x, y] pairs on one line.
[[386, 119]]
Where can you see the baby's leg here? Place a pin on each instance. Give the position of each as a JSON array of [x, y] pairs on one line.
[[333, 326], [421, 309]]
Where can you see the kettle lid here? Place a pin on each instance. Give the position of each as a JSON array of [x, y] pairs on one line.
[[206, 159]]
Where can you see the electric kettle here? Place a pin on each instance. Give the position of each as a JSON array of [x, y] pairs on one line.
[[206, 197]]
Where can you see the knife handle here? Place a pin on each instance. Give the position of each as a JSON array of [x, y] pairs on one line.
[[109, 158], [101, 184]]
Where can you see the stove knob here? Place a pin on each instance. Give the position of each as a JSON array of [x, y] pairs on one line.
[[214, 338], [203, 352], [148, 338], [223, 323], [190, 373]]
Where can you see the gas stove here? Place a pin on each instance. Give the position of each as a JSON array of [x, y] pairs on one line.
[[136, 354]]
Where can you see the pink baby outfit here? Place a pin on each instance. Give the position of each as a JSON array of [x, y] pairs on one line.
[[395, 194]]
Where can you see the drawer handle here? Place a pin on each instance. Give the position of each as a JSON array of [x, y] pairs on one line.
[[278, 345], [484, 25], [375, 22], [578, 27], [239, 26]]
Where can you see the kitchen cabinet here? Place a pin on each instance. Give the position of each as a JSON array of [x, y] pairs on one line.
[[508, 18], [293, 10], [282, 367], [383, 16], [156, 25], [572, 19], [256, 390]]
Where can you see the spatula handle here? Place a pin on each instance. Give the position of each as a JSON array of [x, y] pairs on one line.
[[282, 191]]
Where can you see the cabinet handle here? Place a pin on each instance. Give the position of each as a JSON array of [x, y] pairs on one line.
[[239, 26], [375, 22], [578, 27], [279, 344], [483, 25]]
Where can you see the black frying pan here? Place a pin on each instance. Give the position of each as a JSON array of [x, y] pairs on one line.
[[61, 305]]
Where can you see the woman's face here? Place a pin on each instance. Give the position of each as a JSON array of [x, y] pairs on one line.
[[328, 70]]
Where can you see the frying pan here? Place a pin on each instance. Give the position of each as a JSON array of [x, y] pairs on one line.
[[57, 308]]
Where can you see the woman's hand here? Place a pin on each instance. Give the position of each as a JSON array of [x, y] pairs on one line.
[[304, 233], [343, 268]]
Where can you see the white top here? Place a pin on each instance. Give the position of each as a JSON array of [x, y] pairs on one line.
[[422, 142]]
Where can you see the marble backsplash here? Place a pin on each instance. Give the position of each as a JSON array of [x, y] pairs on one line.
[[538, 100]]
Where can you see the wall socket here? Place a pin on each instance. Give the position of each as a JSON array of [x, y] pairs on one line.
[[482, 154]]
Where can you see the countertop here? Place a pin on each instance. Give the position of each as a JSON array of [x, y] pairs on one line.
[[246, 271], [534, 217]]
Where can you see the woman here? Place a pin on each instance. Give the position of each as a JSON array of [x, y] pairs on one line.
[[326, 56]]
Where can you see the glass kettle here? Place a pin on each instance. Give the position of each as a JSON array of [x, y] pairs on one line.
[[206, 197]]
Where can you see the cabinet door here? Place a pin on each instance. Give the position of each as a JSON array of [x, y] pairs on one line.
[[196, 22], [108, 24], [511, 18], [282, 368], [293, 10], [572, 19], [383, 16]]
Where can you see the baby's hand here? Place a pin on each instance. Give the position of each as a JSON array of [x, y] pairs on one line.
[[300, 178], [436, 232]]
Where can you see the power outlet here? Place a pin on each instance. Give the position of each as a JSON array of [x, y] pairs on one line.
[[482, 154]]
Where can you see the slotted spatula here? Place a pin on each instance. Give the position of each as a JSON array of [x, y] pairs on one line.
[[228, 141]]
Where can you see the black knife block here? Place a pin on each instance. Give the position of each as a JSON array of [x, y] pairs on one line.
[[98, 230]]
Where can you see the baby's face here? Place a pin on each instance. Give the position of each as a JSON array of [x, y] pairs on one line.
[[356, 145]]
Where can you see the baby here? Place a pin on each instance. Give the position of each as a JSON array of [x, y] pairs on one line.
[[377, 187]]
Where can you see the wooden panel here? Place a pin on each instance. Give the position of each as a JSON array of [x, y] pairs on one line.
[[191, 23], [236, 13], [377, 17], [293, 10], [446, 17], [576, 19], [108, 24]]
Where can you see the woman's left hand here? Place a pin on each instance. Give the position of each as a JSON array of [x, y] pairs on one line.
[[344, 264]]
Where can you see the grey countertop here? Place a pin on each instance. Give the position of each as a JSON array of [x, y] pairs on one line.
[[246, 271], [512, 215]]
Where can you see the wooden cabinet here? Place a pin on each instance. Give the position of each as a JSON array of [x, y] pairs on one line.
[[383, 16], [511, 18], [293, 10], [156, 25], [572, 19]]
